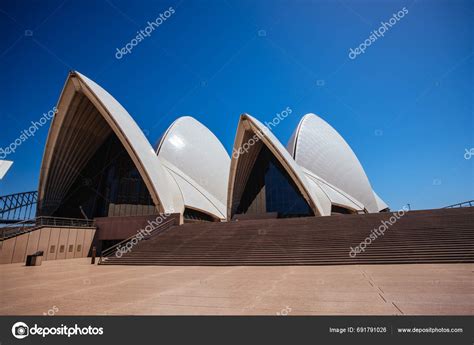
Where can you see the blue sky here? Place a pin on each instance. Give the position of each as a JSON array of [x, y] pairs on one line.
[[405, 106]]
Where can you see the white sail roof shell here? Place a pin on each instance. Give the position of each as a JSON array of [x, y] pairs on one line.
[[199, 163], [319, 148], [4, 167], [334, 195], [191, 168], [311, 191], [380, 203], [162, 187]]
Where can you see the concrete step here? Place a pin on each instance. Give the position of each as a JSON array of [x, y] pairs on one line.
[[431, 236]]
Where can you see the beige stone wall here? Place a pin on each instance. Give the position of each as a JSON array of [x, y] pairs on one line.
[[56, 243]]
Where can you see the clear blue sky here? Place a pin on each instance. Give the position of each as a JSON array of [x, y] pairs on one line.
[[405, 106]]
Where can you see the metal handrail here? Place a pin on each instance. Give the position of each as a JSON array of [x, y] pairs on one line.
[[61, 221], [18, 228], [156, 231], [462, 204]]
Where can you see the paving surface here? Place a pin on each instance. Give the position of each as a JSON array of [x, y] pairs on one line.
[[75, 287]]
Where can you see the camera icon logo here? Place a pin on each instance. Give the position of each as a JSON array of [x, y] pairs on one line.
[[20, 330]]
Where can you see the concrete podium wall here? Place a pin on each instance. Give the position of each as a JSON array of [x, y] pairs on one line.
[[56, 243], [120, 228]]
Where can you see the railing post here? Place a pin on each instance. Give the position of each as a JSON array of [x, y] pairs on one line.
[[94, 252]]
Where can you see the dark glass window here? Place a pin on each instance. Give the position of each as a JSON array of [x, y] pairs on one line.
[[191, 214], [270, 189], [340, 210], [109, 185]]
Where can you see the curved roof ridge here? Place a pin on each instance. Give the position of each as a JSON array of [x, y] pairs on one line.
[[319, 148], [193, 149], [163, 190], [247, 122], [344, 194], [205, 194]]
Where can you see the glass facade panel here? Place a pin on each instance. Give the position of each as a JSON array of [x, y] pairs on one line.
[[340, 210], [190, 214], [109, 185], [270, 189]]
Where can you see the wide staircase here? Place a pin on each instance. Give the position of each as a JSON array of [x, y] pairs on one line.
[[429, 236]]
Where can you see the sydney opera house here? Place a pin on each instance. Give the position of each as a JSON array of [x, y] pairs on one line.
[[102, 182], [98, 163], [187, 206]]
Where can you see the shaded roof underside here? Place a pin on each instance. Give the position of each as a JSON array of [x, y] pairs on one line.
[[241, 165], [87, 114]]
